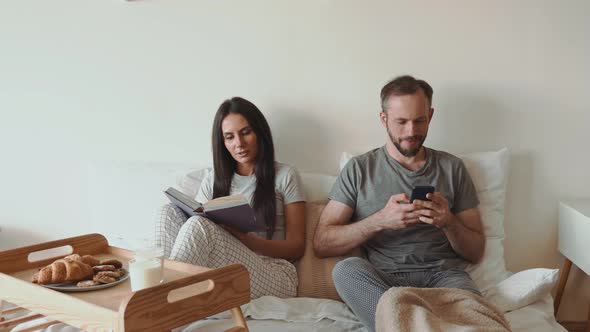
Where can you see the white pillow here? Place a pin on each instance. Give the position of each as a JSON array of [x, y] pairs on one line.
[[489, 173], [317, 186], [522, 288], [190, 183]]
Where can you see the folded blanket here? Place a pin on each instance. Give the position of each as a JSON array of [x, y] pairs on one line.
[[436, 309]]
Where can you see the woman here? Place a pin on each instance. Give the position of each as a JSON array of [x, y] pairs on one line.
[[243, 159]]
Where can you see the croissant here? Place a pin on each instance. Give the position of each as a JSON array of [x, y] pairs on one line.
[[86, 259], [90, 260], [63, 270]]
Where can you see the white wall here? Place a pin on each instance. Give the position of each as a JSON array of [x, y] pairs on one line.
[[88, 80]]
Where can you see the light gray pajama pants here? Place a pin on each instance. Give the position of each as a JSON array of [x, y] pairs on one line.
[[201, 242], [361, 285]]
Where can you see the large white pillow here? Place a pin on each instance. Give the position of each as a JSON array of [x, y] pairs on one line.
[[523, 288], [190, 182], [489, 173]]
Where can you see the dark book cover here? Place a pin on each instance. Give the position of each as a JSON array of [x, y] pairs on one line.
[[238, 216], [184, 202]]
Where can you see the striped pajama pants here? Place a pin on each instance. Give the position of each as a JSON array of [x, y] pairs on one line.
[[199, 241], [361, 285]]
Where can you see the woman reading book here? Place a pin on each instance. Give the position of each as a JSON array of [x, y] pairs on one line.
[[243, 160]]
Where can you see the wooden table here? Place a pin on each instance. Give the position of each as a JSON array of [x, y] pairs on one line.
[[189, 292], [573, 237]]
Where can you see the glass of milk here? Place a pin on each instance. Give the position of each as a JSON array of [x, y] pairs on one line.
[[146, 268]]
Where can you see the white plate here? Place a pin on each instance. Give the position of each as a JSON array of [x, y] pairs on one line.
[[71, 286]]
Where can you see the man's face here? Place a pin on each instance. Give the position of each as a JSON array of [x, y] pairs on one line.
[[406, 120]]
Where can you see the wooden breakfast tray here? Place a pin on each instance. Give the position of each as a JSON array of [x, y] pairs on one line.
[[189, 292]]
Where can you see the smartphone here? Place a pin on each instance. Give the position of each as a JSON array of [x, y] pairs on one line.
[[419, 192]]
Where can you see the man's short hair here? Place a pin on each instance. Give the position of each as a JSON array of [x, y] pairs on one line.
[[404, 85]]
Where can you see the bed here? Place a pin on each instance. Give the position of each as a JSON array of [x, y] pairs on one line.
[[524, 296]]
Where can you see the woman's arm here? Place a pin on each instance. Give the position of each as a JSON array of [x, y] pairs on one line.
[[292, 247]]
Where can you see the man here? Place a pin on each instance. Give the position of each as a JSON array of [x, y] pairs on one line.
[[420, 244]]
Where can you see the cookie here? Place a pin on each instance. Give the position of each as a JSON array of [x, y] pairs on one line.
[[104, 279], [88, 283], [99, 268], [113, 262], [112, 274]]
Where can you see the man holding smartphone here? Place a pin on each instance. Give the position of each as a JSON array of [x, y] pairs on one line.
[[423, 243]]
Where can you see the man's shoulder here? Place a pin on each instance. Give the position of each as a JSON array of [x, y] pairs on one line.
[[445, 157], [366, 158]]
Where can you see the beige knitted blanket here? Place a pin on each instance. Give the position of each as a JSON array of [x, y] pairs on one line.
[[436, 309]]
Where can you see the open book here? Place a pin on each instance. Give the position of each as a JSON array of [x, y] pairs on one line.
[[234, 211]]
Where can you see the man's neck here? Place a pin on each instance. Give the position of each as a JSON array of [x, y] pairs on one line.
[[413, 163]]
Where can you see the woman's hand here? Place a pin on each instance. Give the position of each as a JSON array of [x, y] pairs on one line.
[[246, 238], [239, 235], [292, 247]]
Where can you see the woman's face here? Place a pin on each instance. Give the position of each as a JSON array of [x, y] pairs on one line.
[[240, 139]]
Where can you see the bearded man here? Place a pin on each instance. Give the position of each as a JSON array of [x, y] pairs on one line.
[[423, 243]]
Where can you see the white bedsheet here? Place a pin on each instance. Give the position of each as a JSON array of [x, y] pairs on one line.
[[270, 314], [536, 317]]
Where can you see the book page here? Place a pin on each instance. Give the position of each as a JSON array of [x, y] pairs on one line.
[[225, 202]]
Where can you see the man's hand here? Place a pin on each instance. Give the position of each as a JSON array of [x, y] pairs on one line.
[[435, 212], [397, 213], [463, 230]]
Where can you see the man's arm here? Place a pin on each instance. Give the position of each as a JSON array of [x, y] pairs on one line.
[[465, 233], [334, 236], [464, 230]]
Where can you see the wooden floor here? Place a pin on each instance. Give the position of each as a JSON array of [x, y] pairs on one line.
[[574, 326]]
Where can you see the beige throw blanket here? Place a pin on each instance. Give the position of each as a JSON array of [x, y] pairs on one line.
[[436, 309]]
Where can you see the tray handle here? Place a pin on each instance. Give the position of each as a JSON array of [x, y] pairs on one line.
[[149, 309], [19, 259]]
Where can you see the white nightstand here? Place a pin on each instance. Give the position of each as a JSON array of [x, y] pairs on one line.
[[574, 241]]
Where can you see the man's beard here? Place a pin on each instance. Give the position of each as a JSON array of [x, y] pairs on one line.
[[406, 152]]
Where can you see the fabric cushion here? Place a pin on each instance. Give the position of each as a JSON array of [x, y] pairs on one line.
[[315, 274], [523, 288], [489, 173]]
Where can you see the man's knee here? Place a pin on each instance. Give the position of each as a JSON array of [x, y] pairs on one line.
[[347, 268], [456, 278]]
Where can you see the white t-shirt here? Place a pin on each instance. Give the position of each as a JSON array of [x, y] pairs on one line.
[[288, 189]]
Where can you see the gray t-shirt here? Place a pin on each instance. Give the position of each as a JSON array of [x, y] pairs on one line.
[[288, 189], [368, 181]]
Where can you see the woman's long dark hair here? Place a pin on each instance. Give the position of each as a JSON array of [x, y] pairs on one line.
[[264, 202]]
